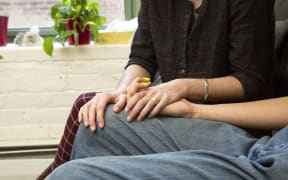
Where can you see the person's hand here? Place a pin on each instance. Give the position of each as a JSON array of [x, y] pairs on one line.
[[149, 102], [180, 108], [138, 84], [92, 113]]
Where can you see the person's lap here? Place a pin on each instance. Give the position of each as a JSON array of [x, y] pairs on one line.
[[158, 135], [267, 159], [174, 148]]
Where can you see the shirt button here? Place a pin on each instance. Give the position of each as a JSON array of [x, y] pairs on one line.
[[182, 71]]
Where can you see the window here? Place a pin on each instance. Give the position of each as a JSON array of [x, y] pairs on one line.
[[37, 12], [131, 8], [24, 14]]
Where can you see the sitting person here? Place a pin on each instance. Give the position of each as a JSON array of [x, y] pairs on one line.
[[203, 54]]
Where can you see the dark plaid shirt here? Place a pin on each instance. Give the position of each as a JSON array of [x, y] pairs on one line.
[[228, 38]]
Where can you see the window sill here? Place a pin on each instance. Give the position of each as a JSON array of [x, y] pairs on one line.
[[12, 52]]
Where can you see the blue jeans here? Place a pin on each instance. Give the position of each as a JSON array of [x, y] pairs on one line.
[[174, 148]]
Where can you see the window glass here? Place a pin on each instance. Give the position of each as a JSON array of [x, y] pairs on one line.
[[27, 13]]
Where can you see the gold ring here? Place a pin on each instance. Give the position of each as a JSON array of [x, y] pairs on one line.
[[153, 99], [128, 93]]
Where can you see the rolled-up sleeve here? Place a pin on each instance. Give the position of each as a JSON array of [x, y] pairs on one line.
[[252, 45], [142, 51]]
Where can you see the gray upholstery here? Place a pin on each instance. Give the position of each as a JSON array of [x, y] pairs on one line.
[[281, 9], [281, 48]]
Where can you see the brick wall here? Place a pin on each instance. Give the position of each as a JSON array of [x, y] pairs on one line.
[[37, 12], [36, 92]]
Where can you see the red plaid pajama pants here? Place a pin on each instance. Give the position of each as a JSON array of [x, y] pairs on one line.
[[65, 146]]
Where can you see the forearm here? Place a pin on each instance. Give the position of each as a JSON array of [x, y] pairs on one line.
[[130, 74], [265, 114], [219, 89]]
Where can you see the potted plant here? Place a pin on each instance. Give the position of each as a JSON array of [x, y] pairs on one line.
[[73, 21]]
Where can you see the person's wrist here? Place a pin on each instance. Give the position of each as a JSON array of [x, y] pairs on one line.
[[188, 109], [120, 90], [195, 112], [182, 89]]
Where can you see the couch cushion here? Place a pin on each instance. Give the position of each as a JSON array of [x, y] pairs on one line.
[[281, 67], [281, 31], [281, 9]]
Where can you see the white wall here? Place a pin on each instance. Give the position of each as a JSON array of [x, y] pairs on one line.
[[36, 91]]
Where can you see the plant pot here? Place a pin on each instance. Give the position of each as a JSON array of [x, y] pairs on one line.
[[3, 30], [84, 37], [114, 37]]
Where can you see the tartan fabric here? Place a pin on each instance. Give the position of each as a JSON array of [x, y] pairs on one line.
[[65, 145], [227, 38]]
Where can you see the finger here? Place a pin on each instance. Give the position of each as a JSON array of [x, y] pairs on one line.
[[136, 109], [133, 100], [147, 109], [92, 114], [139, 86], [157, 108], [80, 119], [119, 105], [81, 111], [101, 106], [85, 115]]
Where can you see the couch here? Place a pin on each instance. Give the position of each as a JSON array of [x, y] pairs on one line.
[[281, 48]]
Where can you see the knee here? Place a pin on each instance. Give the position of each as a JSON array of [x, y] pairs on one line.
[[114, 119], [113, 122], [65, 171]]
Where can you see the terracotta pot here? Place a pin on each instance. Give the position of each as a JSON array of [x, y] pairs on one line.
[[84, 37]]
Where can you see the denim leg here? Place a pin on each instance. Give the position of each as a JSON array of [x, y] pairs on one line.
[[159, 135], [180, 165], [270, 155], [267, 160]]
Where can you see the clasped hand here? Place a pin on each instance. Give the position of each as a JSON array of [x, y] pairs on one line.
[[139, 100]]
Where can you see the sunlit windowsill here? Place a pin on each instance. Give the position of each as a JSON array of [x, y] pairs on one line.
[[11, 52]]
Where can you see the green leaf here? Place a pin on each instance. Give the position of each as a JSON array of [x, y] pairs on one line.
[[66, 34], [54, 10], [48, 45], [65, 2], [95, 30], [101, 20], [95, 5], [1, 57]]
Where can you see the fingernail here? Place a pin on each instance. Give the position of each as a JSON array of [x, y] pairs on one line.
[[146, 83], [147, 78], [128, 93], [101, 125], [128, 118], [92, 129], [116, 109], [85, 124]]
